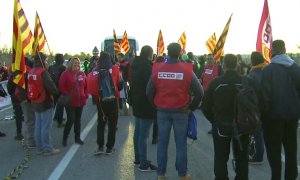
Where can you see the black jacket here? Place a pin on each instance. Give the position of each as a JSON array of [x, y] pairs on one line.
[[218, 103], [279, 88], [140, 74]]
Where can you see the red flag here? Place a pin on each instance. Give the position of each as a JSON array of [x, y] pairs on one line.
[[160, 44], [219, 50], [21, 43], [125, 43], [211, 43], [264, 36], [39, 36], [182, 42], [117, 46]]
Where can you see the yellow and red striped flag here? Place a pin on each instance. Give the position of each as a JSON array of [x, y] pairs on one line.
[[39, 36], [21, 43], [211, 43], [117, 46], [125, 44], [160, 44], [182, 42], [219, 50], [264, 36]]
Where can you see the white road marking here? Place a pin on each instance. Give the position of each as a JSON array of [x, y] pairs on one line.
[[4, 109], [60, 168]]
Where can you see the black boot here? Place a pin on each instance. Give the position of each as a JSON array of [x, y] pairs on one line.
[[64, 141], [79, 141], [2, 134]]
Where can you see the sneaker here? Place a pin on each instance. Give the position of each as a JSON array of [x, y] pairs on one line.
[[64, 142], [2, 134], [136, 163], [110, 151], [256, 161], [31, 146], [52, 152], [186, 177], [161, 178], [99, 151], [19, 137], [149, 168], [79, 141]]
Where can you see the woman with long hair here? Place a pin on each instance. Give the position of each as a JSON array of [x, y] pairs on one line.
[[73, 81]]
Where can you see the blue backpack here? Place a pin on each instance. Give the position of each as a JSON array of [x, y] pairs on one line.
[[107, 91], [192, 127]]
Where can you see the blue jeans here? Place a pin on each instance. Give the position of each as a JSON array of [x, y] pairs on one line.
[[43, 123], [165, 120], [141, 134]]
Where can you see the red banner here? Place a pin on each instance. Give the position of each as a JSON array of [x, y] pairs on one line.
[[264, 36]]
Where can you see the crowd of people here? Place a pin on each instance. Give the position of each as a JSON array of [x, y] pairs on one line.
[[162, 91]]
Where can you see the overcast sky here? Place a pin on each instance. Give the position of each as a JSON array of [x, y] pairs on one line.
[[73, 26]]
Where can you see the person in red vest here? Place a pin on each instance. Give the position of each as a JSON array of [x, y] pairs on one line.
[[40, 92], [210, 71], [108, 111], [169, 90], [26, 106]]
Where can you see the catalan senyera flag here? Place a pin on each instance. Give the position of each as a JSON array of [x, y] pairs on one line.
[[21, 43], [264, 36], [117, 46], [219, 50], [211, 43], [125, 43], [160, 44], [182, 41], [39, 36]]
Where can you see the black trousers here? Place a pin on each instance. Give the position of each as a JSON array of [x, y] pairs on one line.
[[18, 113], [73, 117], [110, 111], [222, 151], [278, 132], [59, 110]]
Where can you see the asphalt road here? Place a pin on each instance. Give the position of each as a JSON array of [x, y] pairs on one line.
[[78, 162]]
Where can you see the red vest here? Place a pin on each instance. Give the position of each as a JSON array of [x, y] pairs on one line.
[[93, 83], [36, 91], [172, 84], [209, 73]]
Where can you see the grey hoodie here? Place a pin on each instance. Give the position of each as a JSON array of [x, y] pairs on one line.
[[282, 59]]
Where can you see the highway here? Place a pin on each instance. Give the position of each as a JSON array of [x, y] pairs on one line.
[[78, 162]]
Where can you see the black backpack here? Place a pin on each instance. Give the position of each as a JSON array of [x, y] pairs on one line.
[[246, 109], [107, 91]]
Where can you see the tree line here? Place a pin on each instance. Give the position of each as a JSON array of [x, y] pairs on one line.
[[6, 56]]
